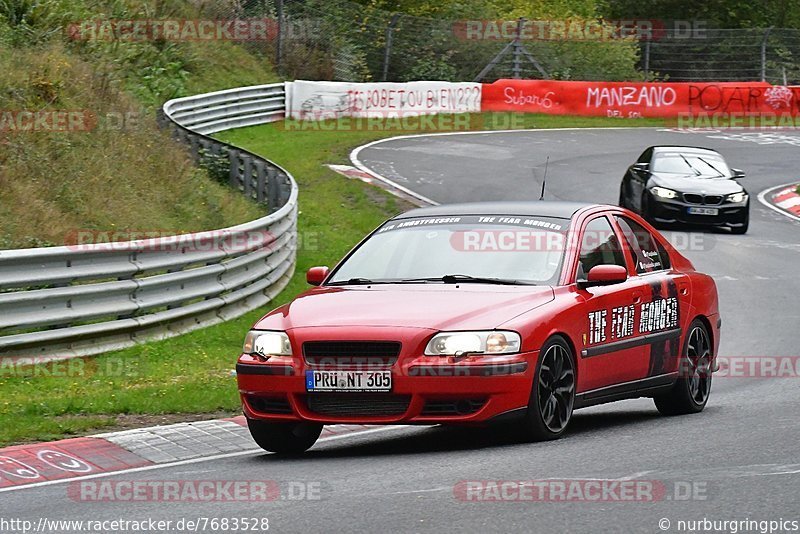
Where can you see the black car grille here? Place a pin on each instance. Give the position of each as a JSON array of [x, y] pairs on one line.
[[453, 407], [269, 404], [360, 354], [358, 405], [708, 200]]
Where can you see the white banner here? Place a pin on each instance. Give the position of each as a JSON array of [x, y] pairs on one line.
[[326, 100]]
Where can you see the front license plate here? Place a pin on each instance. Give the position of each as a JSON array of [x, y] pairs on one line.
[[354, 381], [703, 211]]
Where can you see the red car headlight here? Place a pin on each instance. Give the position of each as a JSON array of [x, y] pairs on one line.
[[267, 343], [478, 342]]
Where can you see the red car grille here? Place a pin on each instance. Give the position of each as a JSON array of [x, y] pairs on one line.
[[358, 405], [360, 354]]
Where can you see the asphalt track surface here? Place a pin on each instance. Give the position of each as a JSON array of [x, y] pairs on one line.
[[742, 453]]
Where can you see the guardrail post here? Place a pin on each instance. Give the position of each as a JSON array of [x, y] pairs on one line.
[[273, 189], [261, 181], [220, 150], [233, 155], [247, 175], [284, 191], [206, 145]]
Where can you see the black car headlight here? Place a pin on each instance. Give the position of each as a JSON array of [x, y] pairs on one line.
[[663, 192], [736, 197]]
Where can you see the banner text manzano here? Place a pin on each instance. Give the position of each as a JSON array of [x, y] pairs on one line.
[[639, 99]]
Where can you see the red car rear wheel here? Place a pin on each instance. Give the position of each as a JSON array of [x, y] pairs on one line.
[[691, 391]]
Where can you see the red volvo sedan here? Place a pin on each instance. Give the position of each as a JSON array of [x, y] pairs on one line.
[[484, 313]]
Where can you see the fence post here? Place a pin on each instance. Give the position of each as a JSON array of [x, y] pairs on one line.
[[278, 38], [764, 54], [647, 59], [388, 48], [517, 68]]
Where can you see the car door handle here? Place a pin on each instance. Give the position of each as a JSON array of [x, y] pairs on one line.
[[637, 297]]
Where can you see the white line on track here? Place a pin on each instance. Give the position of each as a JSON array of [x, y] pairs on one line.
[[362, 167], [251, 452]]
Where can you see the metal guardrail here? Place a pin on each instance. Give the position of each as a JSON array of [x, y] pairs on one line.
[[59, 302]]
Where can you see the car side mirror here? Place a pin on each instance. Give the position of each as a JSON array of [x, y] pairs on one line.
[[738, 174], [316, 275], [604, 275], [640, 167]]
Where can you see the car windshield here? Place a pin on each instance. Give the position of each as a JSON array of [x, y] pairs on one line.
[[464, 249], [700, 165]]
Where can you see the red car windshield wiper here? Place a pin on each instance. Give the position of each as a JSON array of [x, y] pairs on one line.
[[356, 282], [465, 278]]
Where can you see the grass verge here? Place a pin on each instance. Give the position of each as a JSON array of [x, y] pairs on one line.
[[114, 172], [191, 374]]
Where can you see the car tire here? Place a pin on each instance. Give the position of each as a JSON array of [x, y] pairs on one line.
[[553, 393], [622, 203], [284, 438], [693, 387], [743, 228]]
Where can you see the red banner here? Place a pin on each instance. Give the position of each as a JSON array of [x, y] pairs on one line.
[[639, 99]]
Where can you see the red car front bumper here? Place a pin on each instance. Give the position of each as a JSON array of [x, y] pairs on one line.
[[425, 390]]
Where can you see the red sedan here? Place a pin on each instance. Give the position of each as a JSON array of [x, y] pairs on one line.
[[484, 312]]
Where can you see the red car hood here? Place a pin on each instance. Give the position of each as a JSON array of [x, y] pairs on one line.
[[437, 307]]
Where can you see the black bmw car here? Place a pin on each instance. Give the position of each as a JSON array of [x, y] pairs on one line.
[[690, 185]]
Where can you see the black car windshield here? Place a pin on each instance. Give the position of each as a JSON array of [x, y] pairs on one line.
[[692, 164], [459, 249]]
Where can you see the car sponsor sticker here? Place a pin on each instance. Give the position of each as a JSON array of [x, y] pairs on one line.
[[478, 222], [655, 316]]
